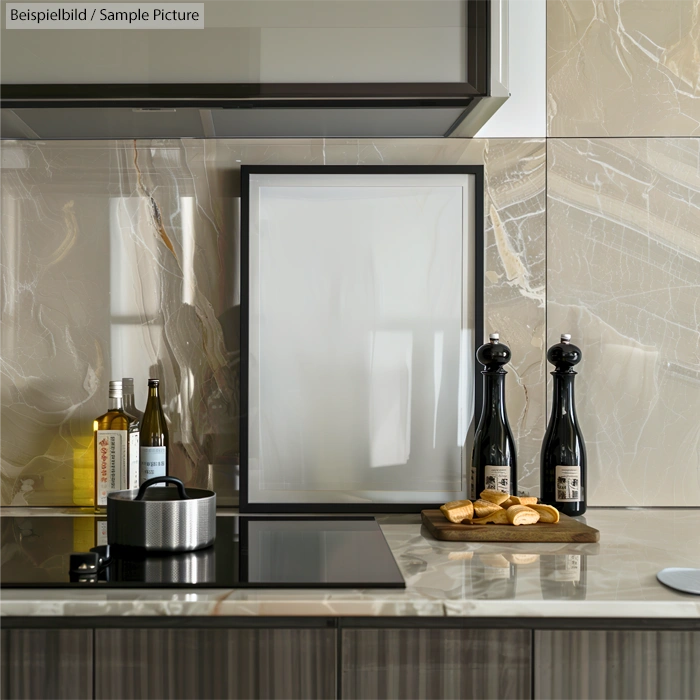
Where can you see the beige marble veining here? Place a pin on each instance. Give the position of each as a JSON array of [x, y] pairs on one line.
[[623, 67], [115, 265], [514, 289], [615, 578], [623, 264], [120, 259]]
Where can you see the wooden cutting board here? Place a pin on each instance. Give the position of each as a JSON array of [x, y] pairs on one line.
[[566, 530]]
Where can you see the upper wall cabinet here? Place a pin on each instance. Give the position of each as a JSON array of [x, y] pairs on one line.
[[279, 68], [524, 115]]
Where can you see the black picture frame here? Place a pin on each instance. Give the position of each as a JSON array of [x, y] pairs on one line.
[[245, 506]]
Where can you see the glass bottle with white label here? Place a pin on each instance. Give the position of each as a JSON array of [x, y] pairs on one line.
[[563, 458], [154, 436], [493, 456], [111, 447], [133, 472], [129, 403]]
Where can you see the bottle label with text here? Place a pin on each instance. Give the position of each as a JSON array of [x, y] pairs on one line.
[[101, 533], [134, 457], [152, 462], [497, 478], [111, 463], [568, 483]]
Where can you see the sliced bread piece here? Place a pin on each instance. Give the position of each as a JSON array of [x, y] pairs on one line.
[[548, 514], [482, 508], [523, 500], [522, 515], [456, 511], [496, 497], [499, 517]]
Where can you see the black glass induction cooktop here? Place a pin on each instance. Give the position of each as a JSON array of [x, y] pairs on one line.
[[249, 552]]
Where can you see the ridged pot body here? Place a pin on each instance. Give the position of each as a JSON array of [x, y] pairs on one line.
[[162, 521]]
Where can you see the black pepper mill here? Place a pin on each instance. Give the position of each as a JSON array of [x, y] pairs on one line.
[[493, 457], [563, 459]]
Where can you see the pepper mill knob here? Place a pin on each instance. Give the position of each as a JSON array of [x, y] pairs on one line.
[[494, 354], [564, 355]]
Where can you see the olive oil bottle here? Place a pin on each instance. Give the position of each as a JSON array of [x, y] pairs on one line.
[[111, 447]]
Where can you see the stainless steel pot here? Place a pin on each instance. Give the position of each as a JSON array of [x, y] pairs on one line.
[[168, 518]]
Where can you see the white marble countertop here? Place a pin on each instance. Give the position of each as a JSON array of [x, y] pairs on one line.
[[615, 578]]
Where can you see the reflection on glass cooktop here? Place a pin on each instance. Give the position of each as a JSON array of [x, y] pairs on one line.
[[249, 552]]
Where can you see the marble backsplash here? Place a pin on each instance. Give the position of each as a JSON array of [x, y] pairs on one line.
[[623, 68], [623, 243], [623, 276], [119, 259]]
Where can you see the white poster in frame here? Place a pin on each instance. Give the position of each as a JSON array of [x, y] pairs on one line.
[[361, 311]]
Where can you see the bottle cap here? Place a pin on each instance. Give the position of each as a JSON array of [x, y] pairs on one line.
[[564, 355], [493, 355], [115, 389], [127, 384], [153, 382]]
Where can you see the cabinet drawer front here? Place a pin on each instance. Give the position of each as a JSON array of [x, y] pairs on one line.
[[425, 663], [219, 663]]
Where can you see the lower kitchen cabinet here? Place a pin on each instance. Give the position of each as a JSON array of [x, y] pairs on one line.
[[214, 663], [435, 663], [40, 663], [620, 665], [263, 662]]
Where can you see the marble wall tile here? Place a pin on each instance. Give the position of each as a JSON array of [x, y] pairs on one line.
[[116, 264], [623, 270], [623, 67], [515, 287], [119, 258]]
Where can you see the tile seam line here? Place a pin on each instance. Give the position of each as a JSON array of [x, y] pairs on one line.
[[618, 138]]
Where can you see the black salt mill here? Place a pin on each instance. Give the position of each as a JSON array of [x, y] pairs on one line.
[[563, 459], [493, 457]]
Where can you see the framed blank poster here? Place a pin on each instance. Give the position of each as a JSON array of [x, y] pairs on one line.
[[362, 308]]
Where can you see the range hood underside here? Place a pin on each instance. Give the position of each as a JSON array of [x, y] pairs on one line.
[[342, 120]]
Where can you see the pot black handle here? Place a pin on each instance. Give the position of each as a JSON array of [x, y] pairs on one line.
[[162, 480]]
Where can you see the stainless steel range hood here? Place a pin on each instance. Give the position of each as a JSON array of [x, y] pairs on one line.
[[469, 39]]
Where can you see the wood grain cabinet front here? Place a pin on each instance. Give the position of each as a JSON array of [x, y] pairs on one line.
[[43, 664], [214, 663], [619, 665], [435, 663]]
